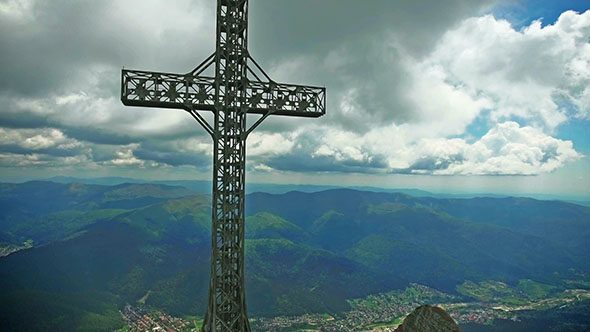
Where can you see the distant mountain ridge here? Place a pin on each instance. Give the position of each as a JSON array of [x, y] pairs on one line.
[[423, 227], [27, 207], [204, 186], [305, 252]]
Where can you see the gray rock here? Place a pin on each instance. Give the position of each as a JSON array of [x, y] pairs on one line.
[[427, 318]]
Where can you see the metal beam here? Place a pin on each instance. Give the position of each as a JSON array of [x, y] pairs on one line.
[[230, 95], [167, 90]]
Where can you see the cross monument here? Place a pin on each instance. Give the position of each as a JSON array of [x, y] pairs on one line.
[[236, 89]]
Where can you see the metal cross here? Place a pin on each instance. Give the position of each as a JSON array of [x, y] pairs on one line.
[[235, 90]]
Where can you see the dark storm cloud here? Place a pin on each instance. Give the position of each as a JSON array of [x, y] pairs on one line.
[[304, 162], [429, 164], [42, 51], [281, 28], [101, 153], [302, 159], [27, 120], [52, 45], [62, 47], [99, 136], [53, 152], [172, 158], [165, 154], [57, 46], [367, 37], [22, 120]]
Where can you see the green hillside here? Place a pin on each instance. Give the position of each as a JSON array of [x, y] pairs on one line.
[[45, 211], [264, 225], [305, 253]]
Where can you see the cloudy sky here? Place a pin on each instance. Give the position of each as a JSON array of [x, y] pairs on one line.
[[457, 95]]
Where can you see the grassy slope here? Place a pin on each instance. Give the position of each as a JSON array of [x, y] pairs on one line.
[[312, 253]]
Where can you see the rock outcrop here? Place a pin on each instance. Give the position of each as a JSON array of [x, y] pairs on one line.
[[427, 318]]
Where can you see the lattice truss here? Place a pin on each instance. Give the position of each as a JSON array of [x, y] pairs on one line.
[[233, 91], [192, 91]]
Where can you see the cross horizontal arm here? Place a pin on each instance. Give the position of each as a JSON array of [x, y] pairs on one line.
[[190, 92], [286, 99], [166, 90]]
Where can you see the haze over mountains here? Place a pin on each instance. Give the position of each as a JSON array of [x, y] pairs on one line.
[[204, 187], [97, 247]]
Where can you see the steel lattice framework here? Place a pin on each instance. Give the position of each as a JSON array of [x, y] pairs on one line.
[[235, 90]]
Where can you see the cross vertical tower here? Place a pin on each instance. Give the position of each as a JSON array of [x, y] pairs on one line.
[[235, 90], [227, 300]]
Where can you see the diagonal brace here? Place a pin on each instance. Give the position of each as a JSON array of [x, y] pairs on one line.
[[257, 123], [202, 121]]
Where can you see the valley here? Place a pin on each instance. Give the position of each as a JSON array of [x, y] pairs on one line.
[[384, 312], [329, 260]]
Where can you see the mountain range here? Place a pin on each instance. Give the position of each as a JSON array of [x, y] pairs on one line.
[[204, 187], [92, 248]]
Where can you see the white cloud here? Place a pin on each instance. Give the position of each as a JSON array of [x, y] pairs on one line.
[[17, 10], [482, 65], [442, 109], [526, 73], [194, 145], [265, 144], [506, 149], [403, 106], [72, 79], [21, 160], [36, 139], [125, 157], [44, 140], [484, 68], [337, 145], [43, 160]]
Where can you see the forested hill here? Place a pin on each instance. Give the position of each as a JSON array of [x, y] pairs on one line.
[[96, 247]]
